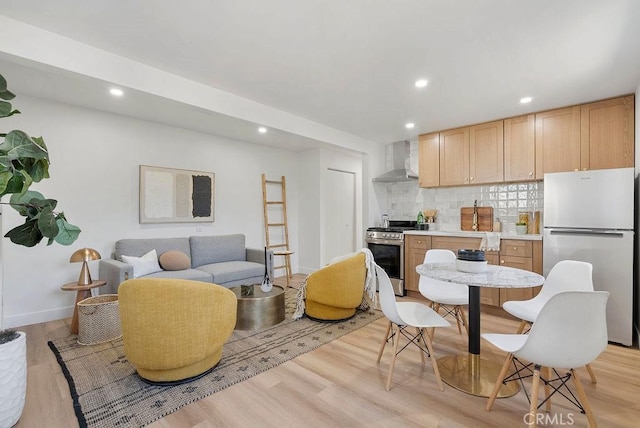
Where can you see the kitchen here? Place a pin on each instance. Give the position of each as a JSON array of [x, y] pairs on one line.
[[405, 198]]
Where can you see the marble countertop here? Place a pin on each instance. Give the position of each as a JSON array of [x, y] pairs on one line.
[[493, 276], [465, 234]]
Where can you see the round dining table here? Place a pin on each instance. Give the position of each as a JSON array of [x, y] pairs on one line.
[[470, 373]]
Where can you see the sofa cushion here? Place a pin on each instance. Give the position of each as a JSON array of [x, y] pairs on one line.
[[138, 247], [234, 272], [215, 249], [144, 265], [174, 260], [192, 274]]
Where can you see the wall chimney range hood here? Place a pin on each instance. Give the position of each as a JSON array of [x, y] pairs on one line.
[[400, 171]]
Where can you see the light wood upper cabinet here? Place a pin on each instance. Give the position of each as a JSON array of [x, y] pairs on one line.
[[454, 157], [519, 148], [597, 135], [607, 134], [472, 155], [486, 155], [557, 141], [429, 160]]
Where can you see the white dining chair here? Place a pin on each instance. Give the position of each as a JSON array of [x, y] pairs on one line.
[[445, 295], [570, 331], [402, 316], [566, 275]]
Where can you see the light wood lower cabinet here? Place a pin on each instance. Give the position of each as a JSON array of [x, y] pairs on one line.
[[521, 254], [415, 247]]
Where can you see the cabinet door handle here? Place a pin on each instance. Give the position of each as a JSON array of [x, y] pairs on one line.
[[471, 178], [515, 248], [501, 262], [531, 174]]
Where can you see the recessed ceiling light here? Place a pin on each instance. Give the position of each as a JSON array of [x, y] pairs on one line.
[[262, 130], [410, 125], [525, 100], [421, 83], [116, 92]]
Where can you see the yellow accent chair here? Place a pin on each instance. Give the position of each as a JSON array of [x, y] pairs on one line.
[[174, 329], [335, 291]]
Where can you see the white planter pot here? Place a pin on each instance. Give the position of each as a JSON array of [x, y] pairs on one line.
[[13, 380]]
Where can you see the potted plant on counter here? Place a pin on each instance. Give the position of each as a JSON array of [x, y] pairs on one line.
[[521, 228], [23, 161]]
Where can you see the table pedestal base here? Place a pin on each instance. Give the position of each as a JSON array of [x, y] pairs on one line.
[[471, 374]]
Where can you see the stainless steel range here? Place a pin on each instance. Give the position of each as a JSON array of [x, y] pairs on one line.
[[387, 246]]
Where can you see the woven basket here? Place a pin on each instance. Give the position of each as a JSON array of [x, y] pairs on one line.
[[98, 319]]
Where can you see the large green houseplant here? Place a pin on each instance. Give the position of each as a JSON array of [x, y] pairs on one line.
[[23, 161]]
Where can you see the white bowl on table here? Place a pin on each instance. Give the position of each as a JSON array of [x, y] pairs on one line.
[[471, 266]]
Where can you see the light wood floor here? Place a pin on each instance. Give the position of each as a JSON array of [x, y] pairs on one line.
[[340, 385]]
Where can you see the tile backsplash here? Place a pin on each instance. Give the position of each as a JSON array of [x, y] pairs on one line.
[[405, 199]]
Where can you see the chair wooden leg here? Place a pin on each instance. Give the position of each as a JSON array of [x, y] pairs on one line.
[[464, 319], [583, 400], [393, 358], [420, 331], [498, 384], [592, 375], [533, 408], [547, 388], [432, 356], [384, 342], [457, 315], [436, 308], [521, 327]]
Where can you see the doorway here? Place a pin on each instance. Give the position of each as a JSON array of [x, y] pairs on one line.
[[339, 214]]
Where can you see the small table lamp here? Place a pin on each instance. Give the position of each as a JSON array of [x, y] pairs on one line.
[[84, 255]]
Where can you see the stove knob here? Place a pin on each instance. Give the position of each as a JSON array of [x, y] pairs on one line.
[[385, 235]]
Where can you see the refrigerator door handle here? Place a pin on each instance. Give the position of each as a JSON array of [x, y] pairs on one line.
[[592, 232]]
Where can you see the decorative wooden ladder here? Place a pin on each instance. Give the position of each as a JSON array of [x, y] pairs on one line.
[[281, 247]]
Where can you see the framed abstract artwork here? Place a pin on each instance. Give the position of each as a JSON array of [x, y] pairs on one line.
[[176, 195]]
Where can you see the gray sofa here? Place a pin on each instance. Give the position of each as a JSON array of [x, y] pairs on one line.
[[223, 260]]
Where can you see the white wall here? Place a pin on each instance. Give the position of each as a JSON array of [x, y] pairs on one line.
[[637, 130], [352, 163], [313, 167], [94, 176], [308, 250]]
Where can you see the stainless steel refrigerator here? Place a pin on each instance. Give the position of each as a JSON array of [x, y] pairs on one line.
[[588, 216]]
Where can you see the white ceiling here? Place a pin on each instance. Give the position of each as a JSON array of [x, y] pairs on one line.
[[349, 65]]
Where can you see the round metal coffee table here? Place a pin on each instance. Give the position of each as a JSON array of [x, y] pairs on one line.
[[260, 309]]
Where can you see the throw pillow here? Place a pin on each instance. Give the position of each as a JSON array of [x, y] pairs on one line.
[[174, 260], [144, 265]]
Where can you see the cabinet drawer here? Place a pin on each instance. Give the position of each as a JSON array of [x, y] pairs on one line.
[[419, 242], [516, 248], [455, 244], [524, 263]]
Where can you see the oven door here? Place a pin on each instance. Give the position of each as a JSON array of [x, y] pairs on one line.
[[389, 255]]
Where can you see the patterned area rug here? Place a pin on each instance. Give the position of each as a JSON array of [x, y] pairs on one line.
[[107, 393]]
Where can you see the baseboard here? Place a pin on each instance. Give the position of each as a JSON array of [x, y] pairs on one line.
[[38, 317]]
